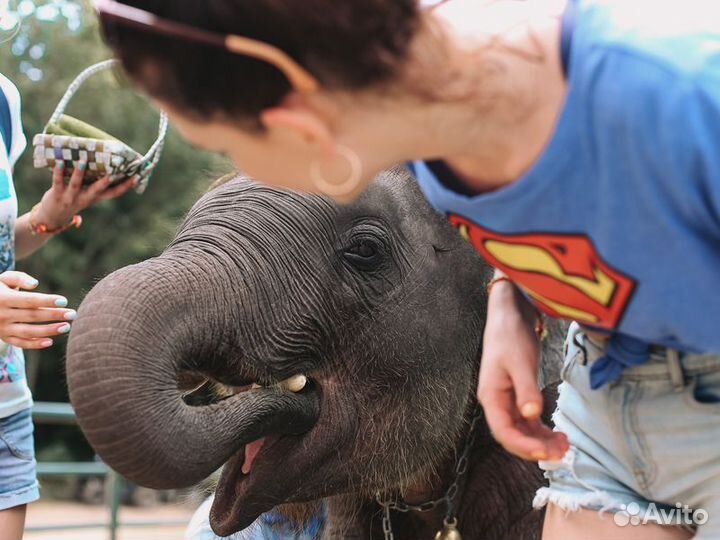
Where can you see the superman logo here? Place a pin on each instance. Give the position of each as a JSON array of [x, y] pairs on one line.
[[563, 273]]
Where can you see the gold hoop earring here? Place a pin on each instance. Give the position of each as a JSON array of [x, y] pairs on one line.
[[339, 189]]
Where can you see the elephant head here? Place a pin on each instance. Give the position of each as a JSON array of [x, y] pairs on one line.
[[345, 340]]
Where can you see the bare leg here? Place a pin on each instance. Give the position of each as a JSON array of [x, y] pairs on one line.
[[12, 522], [590, 525]]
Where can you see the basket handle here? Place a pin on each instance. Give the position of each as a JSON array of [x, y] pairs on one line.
[[153, 155], [77, 83]]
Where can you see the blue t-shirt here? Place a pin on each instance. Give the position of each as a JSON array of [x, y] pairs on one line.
[[617, 225]]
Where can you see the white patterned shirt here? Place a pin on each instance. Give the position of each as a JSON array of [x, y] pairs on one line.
[[14, 392]]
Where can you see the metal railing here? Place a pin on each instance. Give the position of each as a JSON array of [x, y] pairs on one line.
[[63, 414]]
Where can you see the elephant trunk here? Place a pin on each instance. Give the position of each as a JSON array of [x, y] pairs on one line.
[[137, 332]]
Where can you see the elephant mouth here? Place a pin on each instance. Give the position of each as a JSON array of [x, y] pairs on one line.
[[242, 494], [266, 471]]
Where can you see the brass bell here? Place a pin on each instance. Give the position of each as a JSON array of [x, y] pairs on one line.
[[449, 531]]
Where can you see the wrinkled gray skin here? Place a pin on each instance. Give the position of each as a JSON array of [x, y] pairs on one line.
[[380, 303]]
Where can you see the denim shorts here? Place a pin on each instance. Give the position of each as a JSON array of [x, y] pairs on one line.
[[18, 480], [645, 448]]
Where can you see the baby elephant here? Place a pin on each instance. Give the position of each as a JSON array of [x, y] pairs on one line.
[[341, 344]]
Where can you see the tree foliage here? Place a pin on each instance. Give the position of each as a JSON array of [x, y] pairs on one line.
[[56, 40]]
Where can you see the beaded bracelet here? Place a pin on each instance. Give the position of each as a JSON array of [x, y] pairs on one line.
[[494, 281], [42, 228], [540, 327]]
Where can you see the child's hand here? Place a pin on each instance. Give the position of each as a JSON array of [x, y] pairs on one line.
[[21, 311], [61, 202], [508, 388]]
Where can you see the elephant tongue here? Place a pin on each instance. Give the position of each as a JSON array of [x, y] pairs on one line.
[[251, 451]]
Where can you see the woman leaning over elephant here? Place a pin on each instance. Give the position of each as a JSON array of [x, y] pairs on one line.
[[571, 142], [28, 320]]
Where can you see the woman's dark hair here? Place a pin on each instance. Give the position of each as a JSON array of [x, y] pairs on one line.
[[345, 44]]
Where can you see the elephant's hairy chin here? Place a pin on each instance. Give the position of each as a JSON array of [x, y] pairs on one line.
[[301, 514]]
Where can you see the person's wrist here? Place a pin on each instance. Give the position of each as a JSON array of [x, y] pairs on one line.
[[53, 220], [509, 308], [43, 222]]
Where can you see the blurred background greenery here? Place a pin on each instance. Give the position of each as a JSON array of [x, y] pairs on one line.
[[55, 40]]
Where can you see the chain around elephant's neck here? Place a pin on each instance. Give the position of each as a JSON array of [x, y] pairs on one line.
[[450, 522]]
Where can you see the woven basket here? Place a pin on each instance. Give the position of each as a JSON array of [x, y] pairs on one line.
[[72, 141]]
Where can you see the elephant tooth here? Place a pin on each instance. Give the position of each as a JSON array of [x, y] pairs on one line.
[[295, 383]]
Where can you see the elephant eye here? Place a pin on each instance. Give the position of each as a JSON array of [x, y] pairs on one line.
[[364, 249], [363, 252]]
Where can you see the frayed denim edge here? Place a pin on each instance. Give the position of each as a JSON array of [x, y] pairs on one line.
[[599, 501]]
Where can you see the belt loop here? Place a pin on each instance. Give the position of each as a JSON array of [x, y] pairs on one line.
[[677, 377], [575, 330]]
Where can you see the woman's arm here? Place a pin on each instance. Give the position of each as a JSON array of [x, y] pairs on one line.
[[59, 204], [508, 388], [27, 243]]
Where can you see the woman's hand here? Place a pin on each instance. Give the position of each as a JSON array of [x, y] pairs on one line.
[[30, 320], [508, 388], [61, 202]]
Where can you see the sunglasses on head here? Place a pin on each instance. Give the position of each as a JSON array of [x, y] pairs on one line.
[[112, 12]]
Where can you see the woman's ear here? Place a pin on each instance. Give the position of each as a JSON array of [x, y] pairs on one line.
[[300, 121]]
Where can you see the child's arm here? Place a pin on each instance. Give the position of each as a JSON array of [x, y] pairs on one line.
[[508, 388]]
